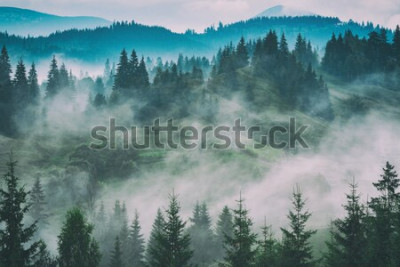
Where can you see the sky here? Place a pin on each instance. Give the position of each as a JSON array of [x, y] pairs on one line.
[[180, 15]]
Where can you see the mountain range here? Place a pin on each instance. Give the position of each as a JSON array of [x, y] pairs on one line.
[[28, 22]]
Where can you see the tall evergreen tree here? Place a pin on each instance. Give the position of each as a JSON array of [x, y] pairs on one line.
[[174, 242], [348, 247], [16, 246], [201, 236], [224, 228], [240, 250], [76, 247], [383, 223], [53, 79], [122, 76], [33, 92], [135, 246], [63, 77], [116, 255], [267, 249], [296, 248], [154, 249], [38, 203], [242, 57], [21, 91]]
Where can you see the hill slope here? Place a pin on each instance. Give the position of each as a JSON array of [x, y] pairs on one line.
[[28, 22]]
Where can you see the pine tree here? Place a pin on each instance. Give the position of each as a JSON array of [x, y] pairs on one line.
[[142, 76], [383, 223], [349, 242], [135, 245], [154, 249], [76, 247], [38, 203], [116, 255], [122, 76], [240, 247], [396, 45], [63, 77], [5, 77], [53, 79], [16, 246], [224, 228], [201, 236], [21, 91], [173, 241], [296, 248], [267, 250], [242, 57], [33, 84]]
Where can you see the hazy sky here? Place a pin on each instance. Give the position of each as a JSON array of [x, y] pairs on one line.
[[179, 15]]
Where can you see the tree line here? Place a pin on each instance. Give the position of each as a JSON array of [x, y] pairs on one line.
[[367, 235]]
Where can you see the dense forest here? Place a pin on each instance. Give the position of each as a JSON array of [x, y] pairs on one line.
[[366, 236], [95, 45]]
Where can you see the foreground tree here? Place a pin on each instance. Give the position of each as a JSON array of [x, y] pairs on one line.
[[173, 242], [135, 244], [348, 246], [239, 247], [154, 249], [296, 248], [116, 254], [76, 247], [16, 246]]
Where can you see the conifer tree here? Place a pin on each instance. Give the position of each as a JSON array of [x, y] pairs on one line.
[[76, 246], [267, 249], [383, 221], [63, 77], [21, 93], [224, 228], [174, 242], [242, 57], [122, 76], [201, 236], [116, 255], [349, 241], [135, 245], [38, 203], [154, 249], [53, 79], [16, 246], [33, 84], [296, 248], [240, 250]]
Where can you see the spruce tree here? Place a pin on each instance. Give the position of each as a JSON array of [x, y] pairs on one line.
[[53, 79], [21, 90], [33, 84], [201, 236], [224, 228], [173, 241], [154, 249], [63, 77], [122, 76], [267, 249], [135, 246], [240, 250], [348, 246], [242, 57], [296, 249], [76, 246], [383, 222], [396, 45], [116, 255], [16, 246], [38, 203]]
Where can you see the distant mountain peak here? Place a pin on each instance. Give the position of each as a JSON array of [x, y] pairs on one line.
[[282, 11]]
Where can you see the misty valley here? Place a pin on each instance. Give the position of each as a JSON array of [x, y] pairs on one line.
[[271, 141]]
